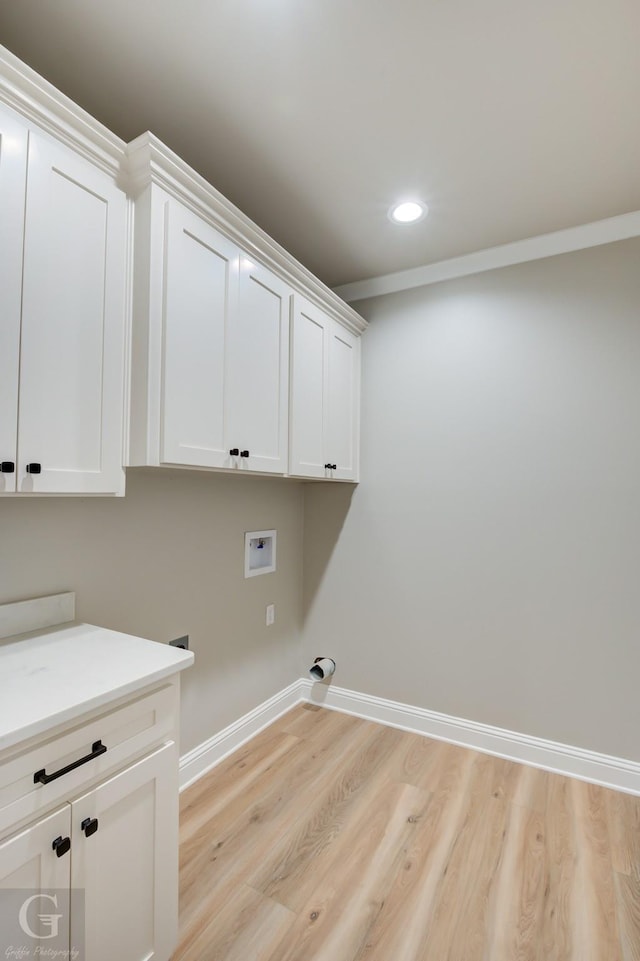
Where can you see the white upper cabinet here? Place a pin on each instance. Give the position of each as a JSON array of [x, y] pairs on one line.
[[325, 396], [13, 172], [343, 428], [204, 370], [309, 390], [216, 326], [64, 243], [73, 325], [211, 383], [259, 370], [200, 302]]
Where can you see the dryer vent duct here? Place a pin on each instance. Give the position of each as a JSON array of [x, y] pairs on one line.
[[322, 668]]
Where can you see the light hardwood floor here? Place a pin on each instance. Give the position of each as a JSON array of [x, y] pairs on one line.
[[329, 838]]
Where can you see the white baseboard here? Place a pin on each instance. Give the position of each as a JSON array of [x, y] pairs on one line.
[[206, 755], [611, 772]]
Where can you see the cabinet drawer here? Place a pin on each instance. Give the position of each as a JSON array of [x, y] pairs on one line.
[[125, 732]]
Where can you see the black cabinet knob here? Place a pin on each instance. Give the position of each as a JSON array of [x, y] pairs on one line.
[[234, 451], [34, 468], [331, 466], [244, 453], [89, 826], [7, 467], [61, 846]]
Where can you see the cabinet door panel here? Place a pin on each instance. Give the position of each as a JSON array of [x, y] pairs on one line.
[[309, 387], [29, 862], [130, 898], [258, 370], [344, 392], [73, 320], [201, 281], [13, 171]]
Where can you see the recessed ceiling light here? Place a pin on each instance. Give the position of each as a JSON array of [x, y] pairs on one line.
[[408, 212]]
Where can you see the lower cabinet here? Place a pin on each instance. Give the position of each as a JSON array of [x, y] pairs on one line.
[[35, 879], [125, 859], [89, 771], [101, 871]]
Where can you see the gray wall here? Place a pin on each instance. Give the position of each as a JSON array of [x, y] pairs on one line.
[[488, 564], [167, 560]]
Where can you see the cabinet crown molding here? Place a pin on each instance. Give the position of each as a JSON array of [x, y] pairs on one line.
[[25, 91], [145, 161], [150, 162]]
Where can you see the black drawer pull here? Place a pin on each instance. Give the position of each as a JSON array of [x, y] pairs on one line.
[[7, 467], [61, 846], [331, 466], [234, 451], [244, 453], [41, 777], [34, 468], [89, 826]]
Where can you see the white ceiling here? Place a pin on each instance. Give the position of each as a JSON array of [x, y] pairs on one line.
[[511, 118]]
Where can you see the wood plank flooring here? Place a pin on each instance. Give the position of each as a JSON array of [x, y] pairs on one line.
[[329, 838]]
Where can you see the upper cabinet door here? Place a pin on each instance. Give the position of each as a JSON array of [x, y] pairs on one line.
[[201, 290], [258, 370], [325, 395], [13, 171], [73, 325], [343, 403], [309, 390]]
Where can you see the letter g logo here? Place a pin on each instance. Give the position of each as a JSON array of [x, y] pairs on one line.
[[49, 921]]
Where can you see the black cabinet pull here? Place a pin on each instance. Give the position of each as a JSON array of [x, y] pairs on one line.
[[41, 777], [34, 468], [234, 451], [7, 467], [244, 453], [331, 466], [89, 826], [61, 846]]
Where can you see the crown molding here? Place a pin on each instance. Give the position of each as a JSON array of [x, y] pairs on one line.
[[149, 161], [608, 231], [30, 95]]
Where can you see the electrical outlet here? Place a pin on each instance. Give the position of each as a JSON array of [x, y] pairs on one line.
[[182, 642], [271, 614]]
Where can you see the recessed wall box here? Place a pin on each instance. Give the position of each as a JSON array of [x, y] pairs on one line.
[[181, 642], [259, 552]]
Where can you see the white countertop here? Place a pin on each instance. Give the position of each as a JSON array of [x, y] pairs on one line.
[[51, 676]]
